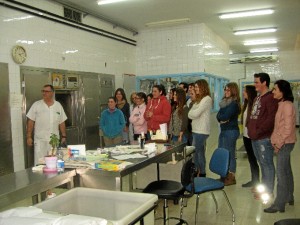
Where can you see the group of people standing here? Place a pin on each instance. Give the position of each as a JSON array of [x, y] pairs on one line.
[[270, 124], [268, 119]]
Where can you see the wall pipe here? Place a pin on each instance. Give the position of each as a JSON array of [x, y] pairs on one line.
[[69, 22]]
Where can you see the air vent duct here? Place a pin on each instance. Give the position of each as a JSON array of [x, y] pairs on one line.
[[235, 61], [72, 14], [258, 59]]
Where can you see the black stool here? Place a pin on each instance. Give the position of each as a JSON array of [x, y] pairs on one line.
[[288, 222]]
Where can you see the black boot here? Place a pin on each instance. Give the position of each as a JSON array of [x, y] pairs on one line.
[[249, 184]]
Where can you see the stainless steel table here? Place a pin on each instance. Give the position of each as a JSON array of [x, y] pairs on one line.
[[20, 185], [123, 180]]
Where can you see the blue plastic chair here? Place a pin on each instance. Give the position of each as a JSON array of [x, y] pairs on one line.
[[219, 164]]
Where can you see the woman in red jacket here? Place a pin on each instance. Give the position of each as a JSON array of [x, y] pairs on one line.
[[158, 110]]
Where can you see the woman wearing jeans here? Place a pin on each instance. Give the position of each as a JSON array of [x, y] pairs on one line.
[[230, 108], [200, 116], [283, 140]]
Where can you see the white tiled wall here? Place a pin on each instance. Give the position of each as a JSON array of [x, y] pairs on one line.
[[181, 49], [286, 67], [47, 44]]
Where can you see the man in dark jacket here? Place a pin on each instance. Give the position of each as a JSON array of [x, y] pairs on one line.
[[260, 126]]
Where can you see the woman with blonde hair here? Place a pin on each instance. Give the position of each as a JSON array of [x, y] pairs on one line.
[[200, 116], [230, 108]]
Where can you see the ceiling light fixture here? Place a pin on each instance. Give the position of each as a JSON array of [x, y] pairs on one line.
[[103, 2], [168, 22], [264, 50], [255, 31], [261, 42], [246, 13]]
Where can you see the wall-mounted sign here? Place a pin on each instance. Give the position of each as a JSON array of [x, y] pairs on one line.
[[57, 80]]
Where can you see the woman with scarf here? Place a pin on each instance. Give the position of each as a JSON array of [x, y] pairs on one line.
[[158, 110], [230, 108], [123, 105]]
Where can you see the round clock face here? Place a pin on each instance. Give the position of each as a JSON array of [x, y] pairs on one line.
[[19, 54]]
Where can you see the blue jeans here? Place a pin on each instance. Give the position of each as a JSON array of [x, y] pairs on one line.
[[175, 138], [285, 179], [199, 156], [227, 140], [264, 152]]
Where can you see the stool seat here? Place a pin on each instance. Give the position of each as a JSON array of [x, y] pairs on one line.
[[288, 222], [166, 189]]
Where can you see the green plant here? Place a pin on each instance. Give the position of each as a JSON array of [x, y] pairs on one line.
[[54, 142]]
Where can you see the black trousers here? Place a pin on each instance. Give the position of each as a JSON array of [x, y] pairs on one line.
[[252, 160]]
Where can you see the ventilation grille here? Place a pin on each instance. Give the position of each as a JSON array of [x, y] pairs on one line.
[[261, 58], [235, 61], [72, 15]]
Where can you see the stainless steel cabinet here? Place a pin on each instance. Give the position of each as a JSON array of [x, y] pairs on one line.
[[6, 158]]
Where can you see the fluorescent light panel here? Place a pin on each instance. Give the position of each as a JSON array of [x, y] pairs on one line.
[[246, 13], [255, 31], [168, 22], [103, 2], [264, 50], [260, 42]]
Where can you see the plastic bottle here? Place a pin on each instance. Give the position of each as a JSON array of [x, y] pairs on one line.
[[60, 161]]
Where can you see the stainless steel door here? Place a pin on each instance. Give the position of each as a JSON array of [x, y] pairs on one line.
[[91, 106], [32, 84], [6, 158]]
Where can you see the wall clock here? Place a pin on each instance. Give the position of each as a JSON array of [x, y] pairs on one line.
[[19, 54]]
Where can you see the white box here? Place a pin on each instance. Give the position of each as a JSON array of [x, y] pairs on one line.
[[120, 208]]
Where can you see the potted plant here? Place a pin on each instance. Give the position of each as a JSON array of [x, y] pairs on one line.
[[54, 142], [51, 159]]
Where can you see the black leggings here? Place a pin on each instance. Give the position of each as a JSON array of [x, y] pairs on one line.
[[252, 160]]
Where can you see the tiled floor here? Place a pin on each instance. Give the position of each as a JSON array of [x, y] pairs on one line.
[[248, 211]]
